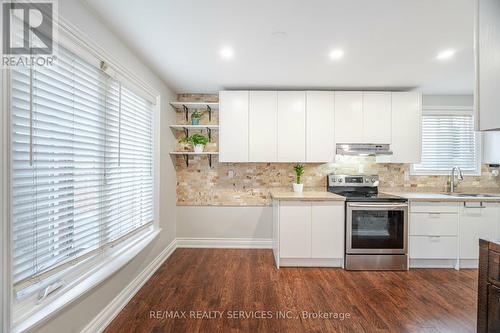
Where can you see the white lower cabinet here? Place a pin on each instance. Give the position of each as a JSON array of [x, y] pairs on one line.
[[433, 234], [295, 230], [477, 220], [446, 234], [309, 233]]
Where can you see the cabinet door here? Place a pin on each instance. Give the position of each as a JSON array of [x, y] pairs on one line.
[[233, 122], [295, 229], [327, 230], [320, 139], [377, 119], [491, 147], [291, 126], [488, 69], [406, 127], [476, 222], [348, 117], [263, 116]]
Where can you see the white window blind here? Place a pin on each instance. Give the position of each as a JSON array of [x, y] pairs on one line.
[[82, 165], [448, 140]]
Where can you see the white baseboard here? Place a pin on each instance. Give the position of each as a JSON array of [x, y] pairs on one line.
[[104, 318], [314, 262], [225, 243]]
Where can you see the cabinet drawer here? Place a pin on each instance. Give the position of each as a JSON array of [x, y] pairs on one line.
[[434, 207], [433, 247], [433, 224]]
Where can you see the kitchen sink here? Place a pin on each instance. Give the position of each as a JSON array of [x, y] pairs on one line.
[[471, 195]]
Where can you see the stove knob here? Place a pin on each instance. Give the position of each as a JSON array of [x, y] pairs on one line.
[[374, 180], [367, 180], [339, 180]]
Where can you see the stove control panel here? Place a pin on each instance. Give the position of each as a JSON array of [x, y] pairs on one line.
[[356, 180]]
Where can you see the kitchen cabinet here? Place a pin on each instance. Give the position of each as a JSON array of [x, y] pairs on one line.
[[377, 127], [477, 220], [320, 120], [291, 141], [348, 117], [327, 230], [487, 53], [233, 124], [406, 127], [433, 236], [491, 147], [308, 233], [262, 131]]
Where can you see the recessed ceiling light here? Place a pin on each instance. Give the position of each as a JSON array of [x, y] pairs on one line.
[[226, 52], [446, 54], [336, 54]]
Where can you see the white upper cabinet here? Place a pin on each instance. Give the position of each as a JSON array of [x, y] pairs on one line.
[[263, 121], [491, 147], [377, 126], [487, 64], [233, 122], [320, 139], [291, 126], [406, 127], [348, 117]]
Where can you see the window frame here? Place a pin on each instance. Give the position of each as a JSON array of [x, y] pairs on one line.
[[451, 111], [87, 274]]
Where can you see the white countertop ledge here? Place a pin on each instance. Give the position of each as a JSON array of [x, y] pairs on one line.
[[306, 196], [441, 197]]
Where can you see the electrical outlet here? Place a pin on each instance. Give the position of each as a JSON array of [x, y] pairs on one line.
[[230, 174]]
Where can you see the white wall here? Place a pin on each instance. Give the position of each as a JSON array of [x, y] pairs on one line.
[[76, 316], [224, 222]]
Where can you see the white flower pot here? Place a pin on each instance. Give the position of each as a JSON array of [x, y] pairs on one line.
[[198, 148], [298, 187]]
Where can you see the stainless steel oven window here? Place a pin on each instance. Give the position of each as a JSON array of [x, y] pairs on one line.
[[377, 208]]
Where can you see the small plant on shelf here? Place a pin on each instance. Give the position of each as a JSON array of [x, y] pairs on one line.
[[195, 117], [198, 141], [299, 171]]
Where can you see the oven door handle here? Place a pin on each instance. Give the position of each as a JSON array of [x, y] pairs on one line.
[[378, 206]]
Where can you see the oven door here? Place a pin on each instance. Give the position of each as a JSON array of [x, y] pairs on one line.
[[376, 228]]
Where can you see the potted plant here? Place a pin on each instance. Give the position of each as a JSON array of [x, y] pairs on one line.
[[198, 141], [299, 171], [195, 117]]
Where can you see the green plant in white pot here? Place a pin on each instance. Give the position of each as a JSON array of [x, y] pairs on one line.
[[299, 171], [198, 141]]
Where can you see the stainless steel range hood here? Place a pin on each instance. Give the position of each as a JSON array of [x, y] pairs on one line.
[[363, 149]]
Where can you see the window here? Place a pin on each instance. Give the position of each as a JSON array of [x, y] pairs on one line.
[[81, 166], [448, 140]]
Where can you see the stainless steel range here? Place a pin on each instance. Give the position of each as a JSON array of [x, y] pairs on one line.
[[376, 225]]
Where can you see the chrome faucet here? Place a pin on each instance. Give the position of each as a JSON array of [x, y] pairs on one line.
[[453, 185]]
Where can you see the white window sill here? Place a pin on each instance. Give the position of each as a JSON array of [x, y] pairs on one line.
[[113, 261]]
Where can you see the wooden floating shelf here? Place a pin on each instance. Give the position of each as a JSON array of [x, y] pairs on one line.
[[181, 127], [193, 153], [187, 128], [186, 155], [196, 106]]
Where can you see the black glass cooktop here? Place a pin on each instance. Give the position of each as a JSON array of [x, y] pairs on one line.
[[369, 195]]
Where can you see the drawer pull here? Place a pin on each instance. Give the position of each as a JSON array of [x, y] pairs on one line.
[[480, 205], [434, 215]]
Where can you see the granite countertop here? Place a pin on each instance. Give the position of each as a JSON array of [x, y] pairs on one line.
[[442, 197], [306, 196]]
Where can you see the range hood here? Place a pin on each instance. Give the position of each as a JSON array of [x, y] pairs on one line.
[[363, 149]]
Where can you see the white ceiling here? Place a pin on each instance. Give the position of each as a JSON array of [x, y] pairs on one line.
[[285, 43]]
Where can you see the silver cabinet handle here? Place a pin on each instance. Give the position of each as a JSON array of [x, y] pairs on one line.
[[378, 206], [480, 205]]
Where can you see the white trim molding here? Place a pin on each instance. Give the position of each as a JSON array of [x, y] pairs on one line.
[[106, 316], [225, 243]]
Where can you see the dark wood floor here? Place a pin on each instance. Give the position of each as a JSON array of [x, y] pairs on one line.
[[421, 300]]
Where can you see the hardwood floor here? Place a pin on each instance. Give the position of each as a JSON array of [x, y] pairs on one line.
[[229, 280]]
